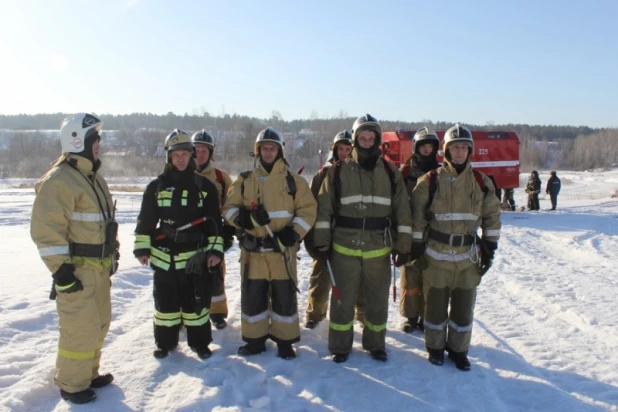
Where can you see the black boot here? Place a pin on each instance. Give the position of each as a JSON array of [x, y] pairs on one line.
[[379, 355], [460, 358], [421, 324], [80, 397], [252, 348], [102, 380], [311, 324], [340, 357], [204, 353], [218, 320], [285, 351], [436, 356], [162, 353], [409, 325]]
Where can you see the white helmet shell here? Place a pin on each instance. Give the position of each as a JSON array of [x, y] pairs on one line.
[[75, 129]]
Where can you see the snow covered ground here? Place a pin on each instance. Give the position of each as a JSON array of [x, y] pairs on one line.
[[545, 333]]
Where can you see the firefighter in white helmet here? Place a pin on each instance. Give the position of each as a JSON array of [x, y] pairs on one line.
[[74, 229], [449, 205], [275, 209]]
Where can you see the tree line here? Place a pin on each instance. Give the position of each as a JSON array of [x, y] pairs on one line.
[[139, 137]]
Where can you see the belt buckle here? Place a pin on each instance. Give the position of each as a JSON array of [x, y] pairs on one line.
[[261, 242], [456, 236]]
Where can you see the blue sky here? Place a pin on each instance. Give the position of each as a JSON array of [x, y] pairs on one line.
[[535, 62]]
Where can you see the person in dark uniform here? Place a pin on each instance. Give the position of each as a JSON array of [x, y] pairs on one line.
[[182, 291]]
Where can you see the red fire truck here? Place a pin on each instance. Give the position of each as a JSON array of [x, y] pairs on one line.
[[496, 153]]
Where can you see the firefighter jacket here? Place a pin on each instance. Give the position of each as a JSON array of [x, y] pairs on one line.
[[175, 199], [459, 207], [222, 183], [316, 183], [272, 190], [363, 194], [412, 171], [73, 205]]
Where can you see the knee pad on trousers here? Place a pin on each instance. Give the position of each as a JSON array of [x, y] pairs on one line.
[[284, 301], [255, 296]]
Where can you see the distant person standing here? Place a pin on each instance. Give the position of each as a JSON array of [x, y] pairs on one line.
[[553, 188], [508, 199], [533, 188]]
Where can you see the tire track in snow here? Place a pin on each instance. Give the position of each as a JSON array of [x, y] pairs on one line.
[[532, 314]]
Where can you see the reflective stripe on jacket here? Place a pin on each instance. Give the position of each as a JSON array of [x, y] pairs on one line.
[[175, 198], [459, 207], [66, 210], [364, 194], [210, 174], [271, 190]]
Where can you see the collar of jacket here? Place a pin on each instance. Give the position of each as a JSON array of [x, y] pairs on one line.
[[84, 165], [209, 168], [354, 157], [448, 166], [278, 167]]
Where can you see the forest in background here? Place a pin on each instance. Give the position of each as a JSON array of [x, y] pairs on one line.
[[132, 142]]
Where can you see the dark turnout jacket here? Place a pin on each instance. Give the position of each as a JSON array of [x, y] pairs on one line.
[[172, 200]]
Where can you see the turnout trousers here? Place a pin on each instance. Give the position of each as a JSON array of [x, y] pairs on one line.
[[268, 298], [84, 319], [412, 302], [351, 274], [457, 288], [175, 305], [318, 294], [218, 304]]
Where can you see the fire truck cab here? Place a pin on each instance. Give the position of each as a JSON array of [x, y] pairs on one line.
[[496, 153]]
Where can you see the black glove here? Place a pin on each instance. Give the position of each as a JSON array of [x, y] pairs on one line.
[[400, 258], [65, 279], [288, 236], [487, 256], [418, 250], [322, 253], [259, 216], [491, 247], [197, 264], [244, 219], [228, 237], [115, 265]]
